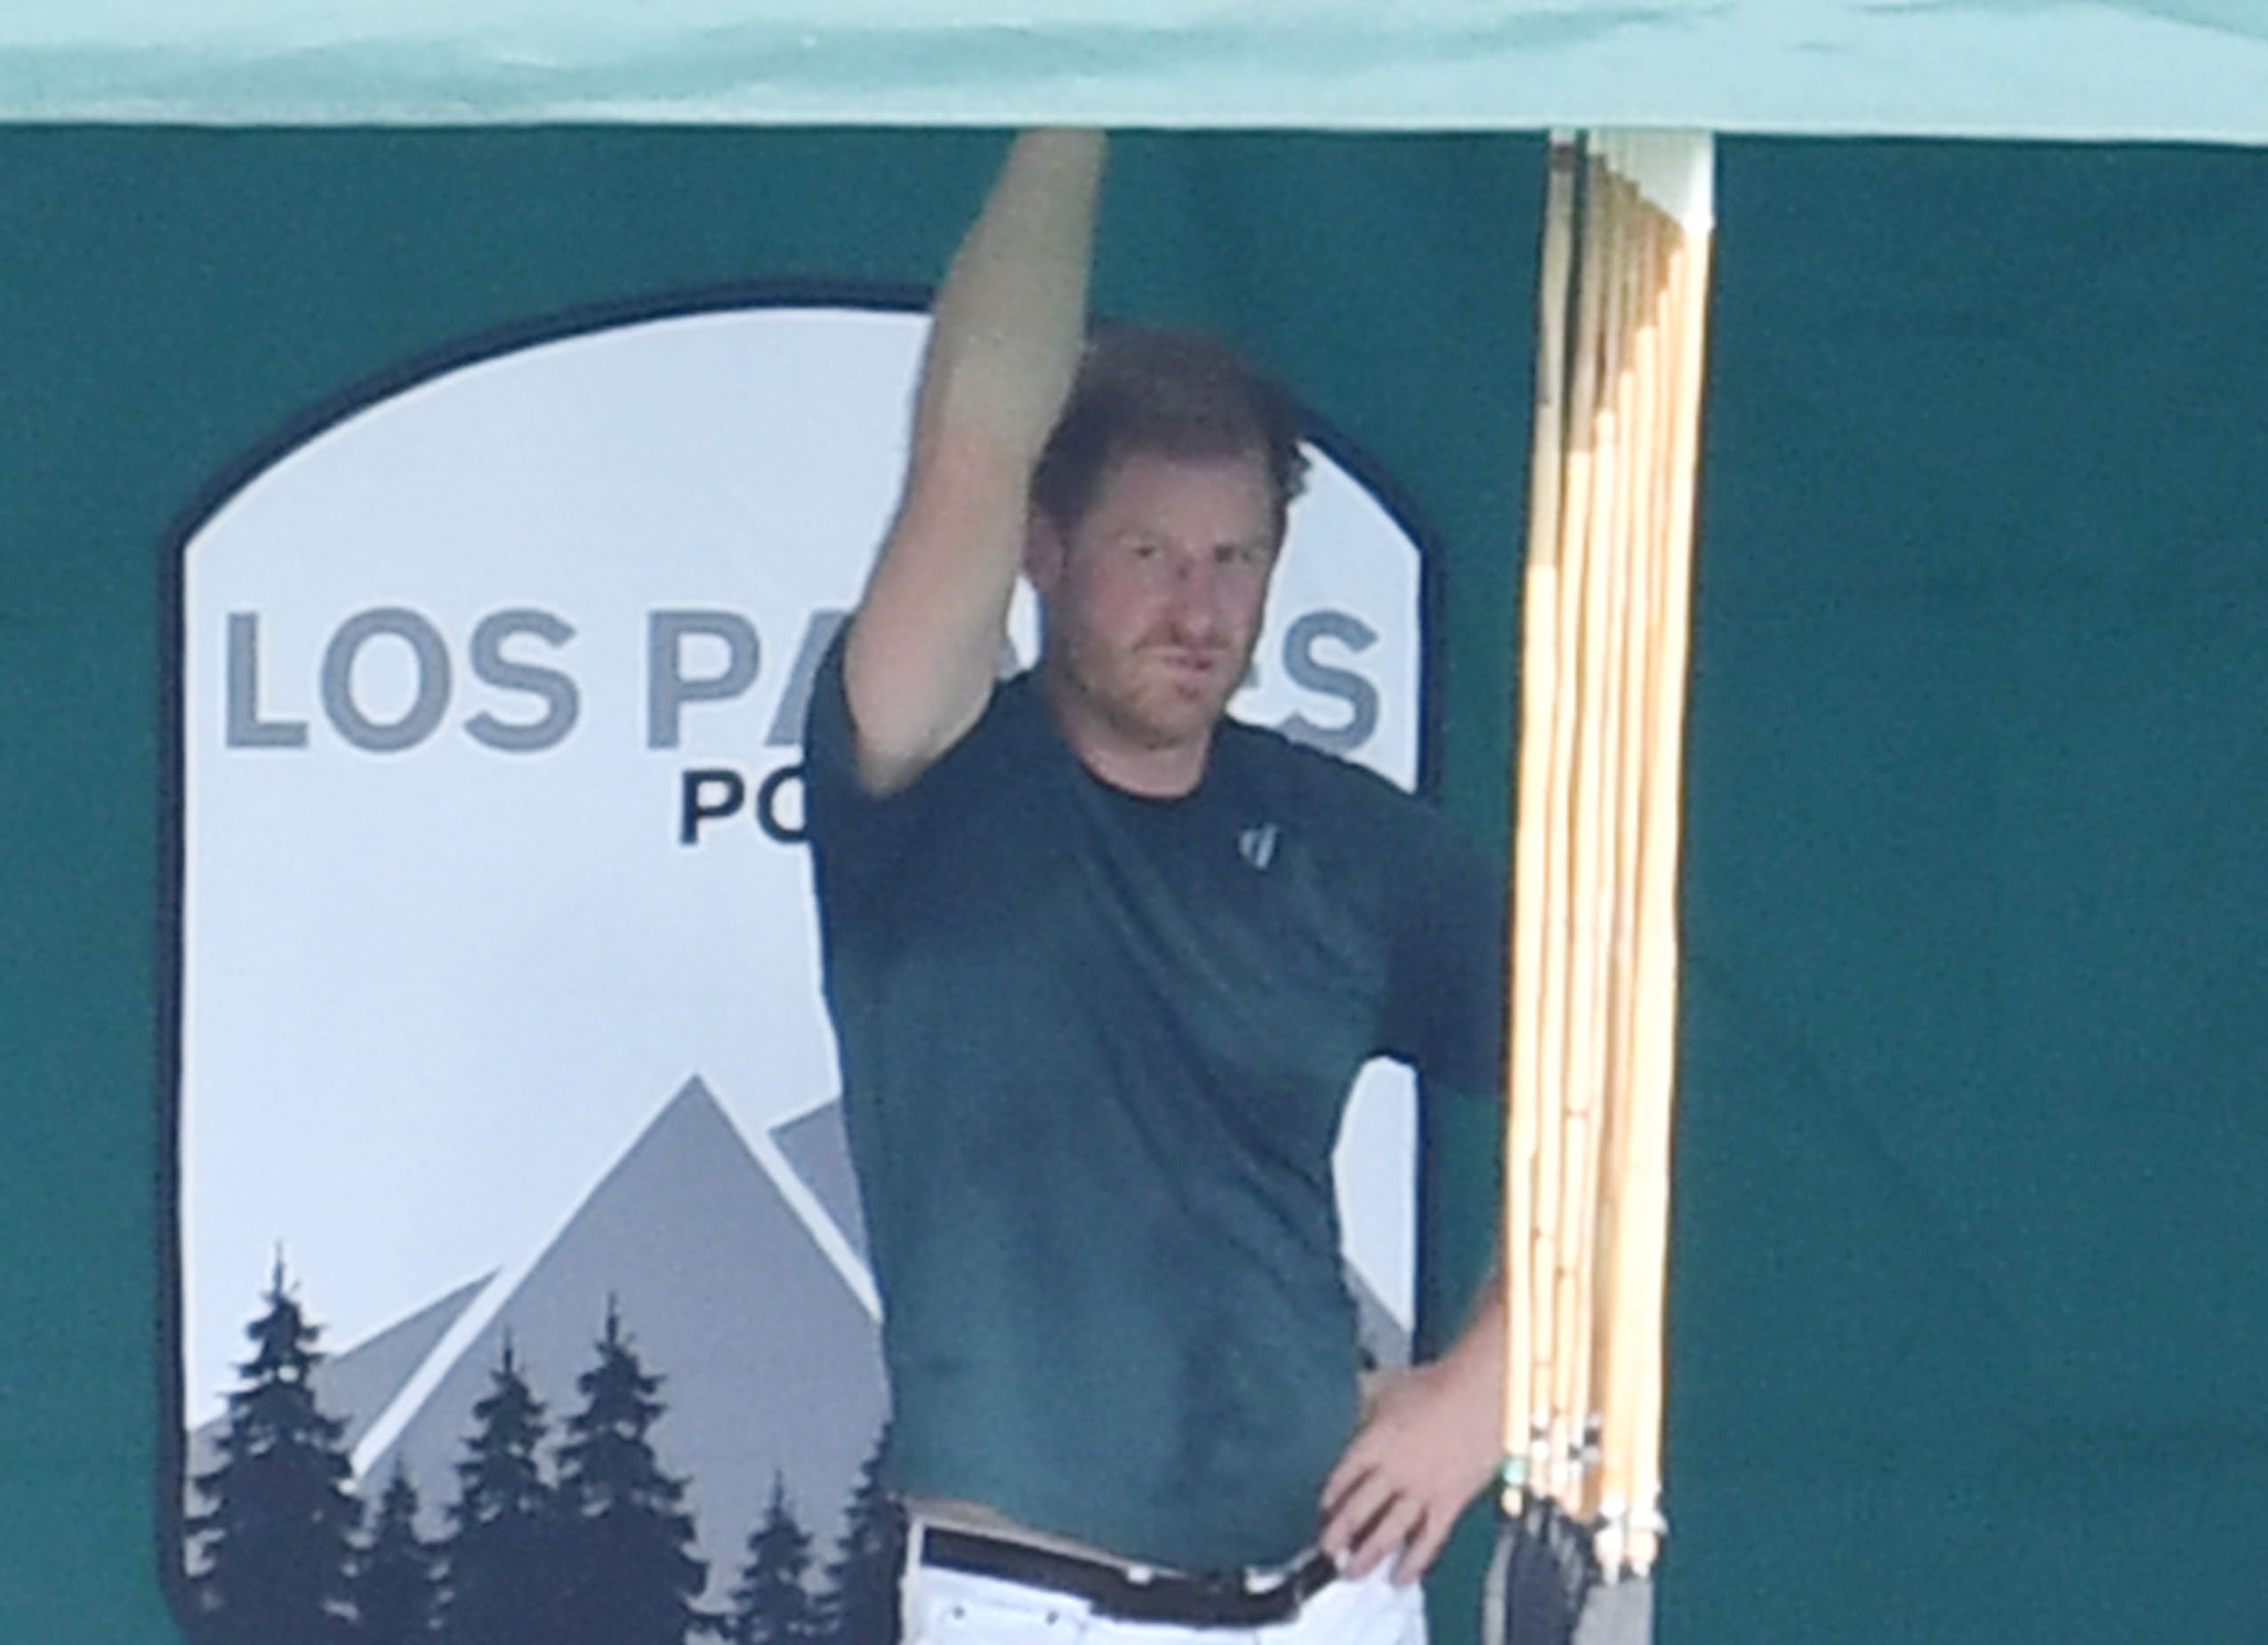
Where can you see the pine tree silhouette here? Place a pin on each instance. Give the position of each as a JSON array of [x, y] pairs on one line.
[[395, 1586], [632, 1577], [276, 1539], [505, 1551], [859, 1605], [773, 1604]]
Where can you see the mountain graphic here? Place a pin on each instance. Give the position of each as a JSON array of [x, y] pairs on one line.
[[358, 1384], [733, 1284], [771, 1363]]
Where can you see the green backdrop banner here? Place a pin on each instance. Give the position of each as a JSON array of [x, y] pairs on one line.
[[1967, 1322], [1966, 1345]]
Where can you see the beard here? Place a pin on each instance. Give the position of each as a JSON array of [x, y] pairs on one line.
[[1160, 693]]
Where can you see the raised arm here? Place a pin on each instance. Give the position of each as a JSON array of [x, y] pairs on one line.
[[1004, 344]]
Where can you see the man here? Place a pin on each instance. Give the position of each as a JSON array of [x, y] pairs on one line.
[[1103, 964]]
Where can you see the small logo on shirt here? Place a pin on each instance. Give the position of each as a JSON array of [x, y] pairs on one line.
[[1257, 845]]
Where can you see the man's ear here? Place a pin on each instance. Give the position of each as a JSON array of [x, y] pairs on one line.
[[1044, 549]]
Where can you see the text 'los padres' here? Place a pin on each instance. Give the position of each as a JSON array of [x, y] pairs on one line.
[[386, 680]]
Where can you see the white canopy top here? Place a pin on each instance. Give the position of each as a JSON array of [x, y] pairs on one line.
[[2178, 69]]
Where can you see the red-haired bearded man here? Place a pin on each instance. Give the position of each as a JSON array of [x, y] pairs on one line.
[[1103, 963]]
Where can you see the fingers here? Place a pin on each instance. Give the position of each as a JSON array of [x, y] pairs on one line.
[[1355, 1467], [1387, 1534], [1369, 1514], [1404, 1523], [1425, 1546], [1350, 1512]]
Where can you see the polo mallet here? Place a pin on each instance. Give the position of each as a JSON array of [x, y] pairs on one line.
[[1607, 599]]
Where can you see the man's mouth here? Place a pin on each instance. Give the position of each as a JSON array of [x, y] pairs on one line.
[[1185, 662]]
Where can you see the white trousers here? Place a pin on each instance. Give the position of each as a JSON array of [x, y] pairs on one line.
[[953, 1608]]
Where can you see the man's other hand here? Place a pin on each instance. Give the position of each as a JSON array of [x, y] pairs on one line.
[[1427, 1444]]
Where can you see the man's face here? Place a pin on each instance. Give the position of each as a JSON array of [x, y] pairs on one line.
[[1154, 598]]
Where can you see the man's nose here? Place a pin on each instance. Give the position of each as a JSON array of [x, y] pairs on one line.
[[1196, 591]]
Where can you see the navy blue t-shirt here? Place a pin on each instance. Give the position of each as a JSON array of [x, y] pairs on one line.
[[1095, 1051]]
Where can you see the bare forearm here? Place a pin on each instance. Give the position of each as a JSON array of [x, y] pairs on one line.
[[1004, 346], [1012, 314]]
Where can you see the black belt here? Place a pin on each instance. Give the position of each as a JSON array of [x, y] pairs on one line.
[[1221, 1600]]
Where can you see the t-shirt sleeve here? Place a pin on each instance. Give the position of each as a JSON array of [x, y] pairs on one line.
[[1445, 1004], [856, 837]]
